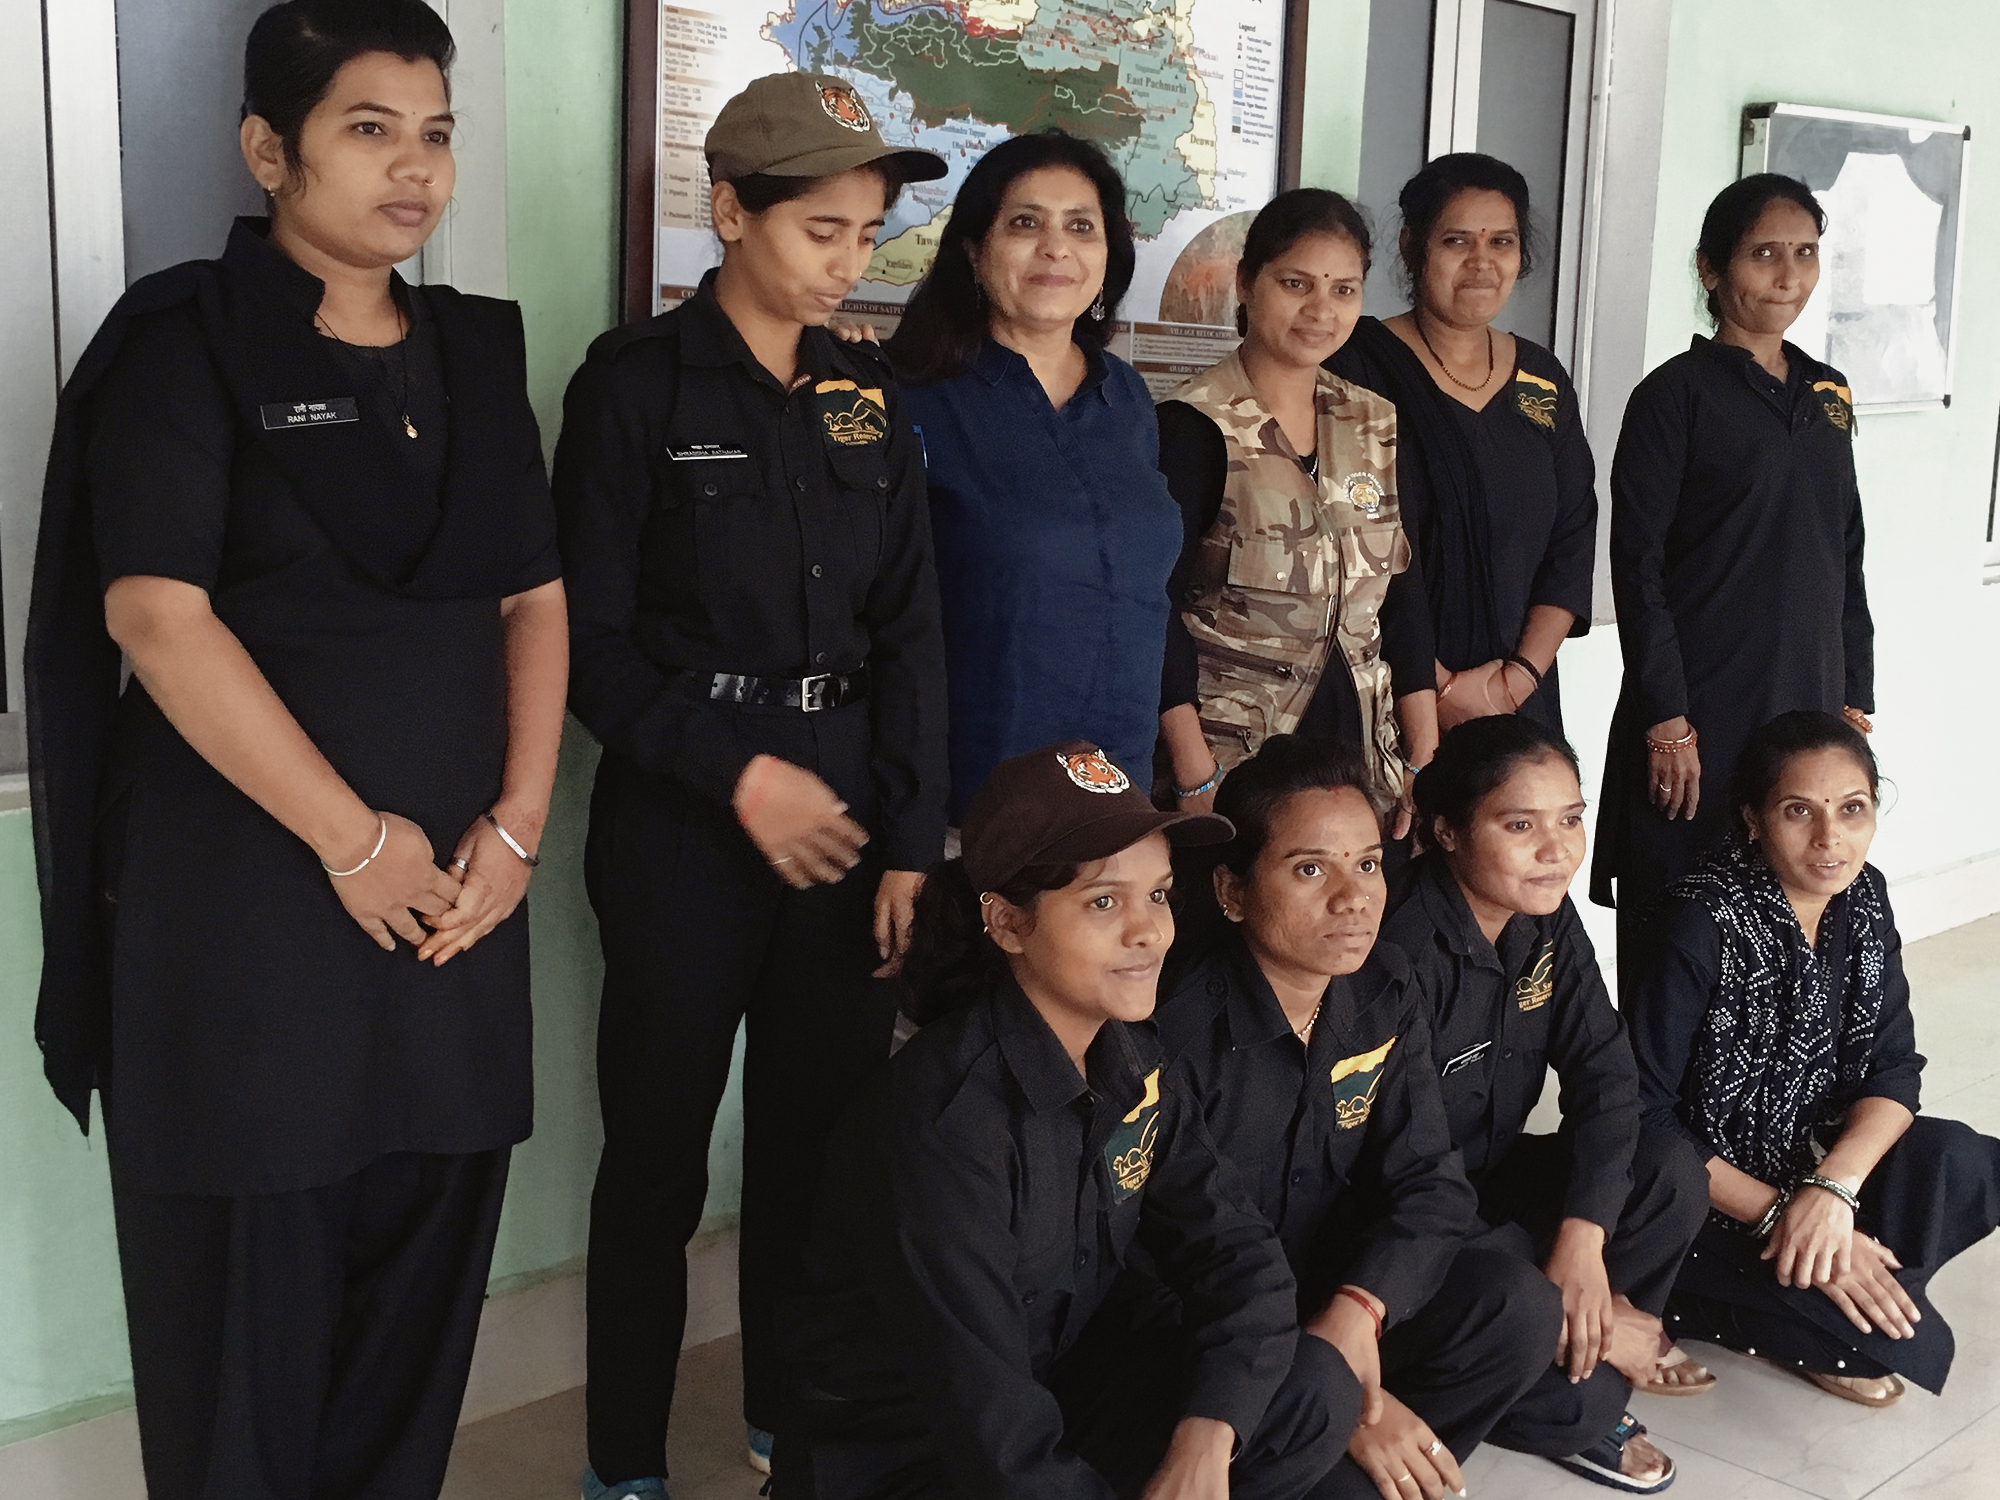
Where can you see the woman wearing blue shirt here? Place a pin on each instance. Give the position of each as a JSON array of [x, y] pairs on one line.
[[1054, 530]]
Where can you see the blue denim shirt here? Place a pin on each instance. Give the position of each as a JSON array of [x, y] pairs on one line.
[[1055, 537]]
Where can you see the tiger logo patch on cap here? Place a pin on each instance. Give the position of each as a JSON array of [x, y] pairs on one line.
[[844, 107], [1092, 770]]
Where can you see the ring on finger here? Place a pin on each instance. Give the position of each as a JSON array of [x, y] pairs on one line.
[[1436, 1447]]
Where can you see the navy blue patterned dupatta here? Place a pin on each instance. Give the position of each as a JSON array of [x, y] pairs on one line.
[[1792, 1027]]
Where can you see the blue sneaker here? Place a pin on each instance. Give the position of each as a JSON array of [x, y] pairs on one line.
[[758, 1449], [626, 1489]]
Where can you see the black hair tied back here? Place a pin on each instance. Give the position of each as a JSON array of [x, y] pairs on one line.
[[1255, 792], [1289, 218], [1775, 745], [1474, 759], [1427, 195], [1735, 212], [952, 962], [296, 48]]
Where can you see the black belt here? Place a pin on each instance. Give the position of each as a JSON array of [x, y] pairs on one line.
[[809, 695]]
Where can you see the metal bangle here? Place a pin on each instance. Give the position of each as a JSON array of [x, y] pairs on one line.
[[1761, 1230], [1839, 1190], [530, 860], [380, 839], [1667, 747], [1515, 659]]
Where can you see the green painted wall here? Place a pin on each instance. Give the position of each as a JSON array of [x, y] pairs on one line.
[[1336, 77], [1925, 476]]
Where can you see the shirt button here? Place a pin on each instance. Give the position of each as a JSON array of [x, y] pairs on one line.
[[820, 659], [709, 488], [1297, 1178], [1509, 1052], [1082, 1259], [817, 570], [799, 483], [881, 484]]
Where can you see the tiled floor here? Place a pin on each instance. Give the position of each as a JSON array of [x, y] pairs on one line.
[[1761, 1435]]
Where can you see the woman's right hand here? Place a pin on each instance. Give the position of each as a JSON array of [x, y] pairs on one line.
[[1673, 777], [1345, 1324], [403, 878], [797, 822], [1869, 1293], [1476, 693]]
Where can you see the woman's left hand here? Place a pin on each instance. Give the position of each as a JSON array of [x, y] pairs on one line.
[[1576, 1266], [1813, 1243], [491, 882], [895, 911], [1476, 693]]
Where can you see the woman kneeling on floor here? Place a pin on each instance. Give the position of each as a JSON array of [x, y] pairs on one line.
[[1605, 1206], [1772, 1025], [983, 1195], [1307, 1045]]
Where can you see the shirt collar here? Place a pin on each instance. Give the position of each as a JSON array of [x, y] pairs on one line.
[[710, 340], [996, 362], [1256, 1017], [1451, 916], [1117, 1062], [251, 255]]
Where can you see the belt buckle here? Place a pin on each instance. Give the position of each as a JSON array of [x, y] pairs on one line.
[[815, 691]]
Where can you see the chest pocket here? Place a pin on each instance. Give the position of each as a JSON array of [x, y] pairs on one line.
[[687, 538], [861, 489], [1355, 1083], [1276, 565]]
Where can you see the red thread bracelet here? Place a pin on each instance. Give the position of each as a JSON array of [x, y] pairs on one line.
[[1366, 1306]]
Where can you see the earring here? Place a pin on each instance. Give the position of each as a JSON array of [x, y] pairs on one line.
[[1097, 308]]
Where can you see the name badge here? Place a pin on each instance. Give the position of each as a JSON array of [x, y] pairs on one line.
[[283, 416], [1465, 1059], [696, 452]]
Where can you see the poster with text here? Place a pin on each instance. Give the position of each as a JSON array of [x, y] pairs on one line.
[[1183, 95]]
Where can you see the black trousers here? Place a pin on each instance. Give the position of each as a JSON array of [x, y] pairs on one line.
[[698, 933], [1464, 1359], [311, 1345], [1933, 1195], [1122, 1391], [1522, 1198]]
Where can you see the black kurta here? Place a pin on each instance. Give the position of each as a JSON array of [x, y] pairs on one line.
[[978, 1206], [251, 1038], [1195, 460], [1500, 503], [1736, 545], [1502, 1015]]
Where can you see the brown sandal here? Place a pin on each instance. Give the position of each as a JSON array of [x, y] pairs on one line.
[[1844, 1387], [1673, 1359]]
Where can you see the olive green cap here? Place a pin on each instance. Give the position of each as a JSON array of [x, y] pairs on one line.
[[804, 125]]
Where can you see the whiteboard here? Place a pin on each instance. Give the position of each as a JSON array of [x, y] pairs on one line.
[[1885, 310]]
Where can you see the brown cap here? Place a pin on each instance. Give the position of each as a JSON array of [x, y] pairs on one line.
[[803, 125], [1065, 804]]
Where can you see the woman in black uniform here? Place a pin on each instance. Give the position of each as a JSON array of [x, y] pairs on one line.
[[1734, 517], [1771, 1018], [1605, 1207], [1498, 486], [1307, 1046], [307, 502], [757, 646], [985, 1191]]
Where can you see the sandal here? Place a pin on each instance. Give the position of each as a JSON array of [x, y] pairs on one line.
[[1604, 1463], [1850, 1387], [1674, 1359]]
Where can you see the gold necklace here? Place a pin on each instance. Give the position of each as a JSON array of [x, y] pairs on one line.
[[1417, 318], [1304, 1033]]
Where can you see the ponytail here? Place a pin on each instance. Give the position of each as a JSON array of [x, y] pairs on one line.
[[952, 962]]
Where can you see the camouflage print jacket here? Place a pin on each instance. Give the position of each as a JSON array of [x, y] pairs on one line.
[[1291, 568]]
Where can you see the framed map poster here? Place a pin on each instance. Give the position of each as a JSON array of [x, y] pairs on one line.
[[1885, 311], [1195, 102]]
